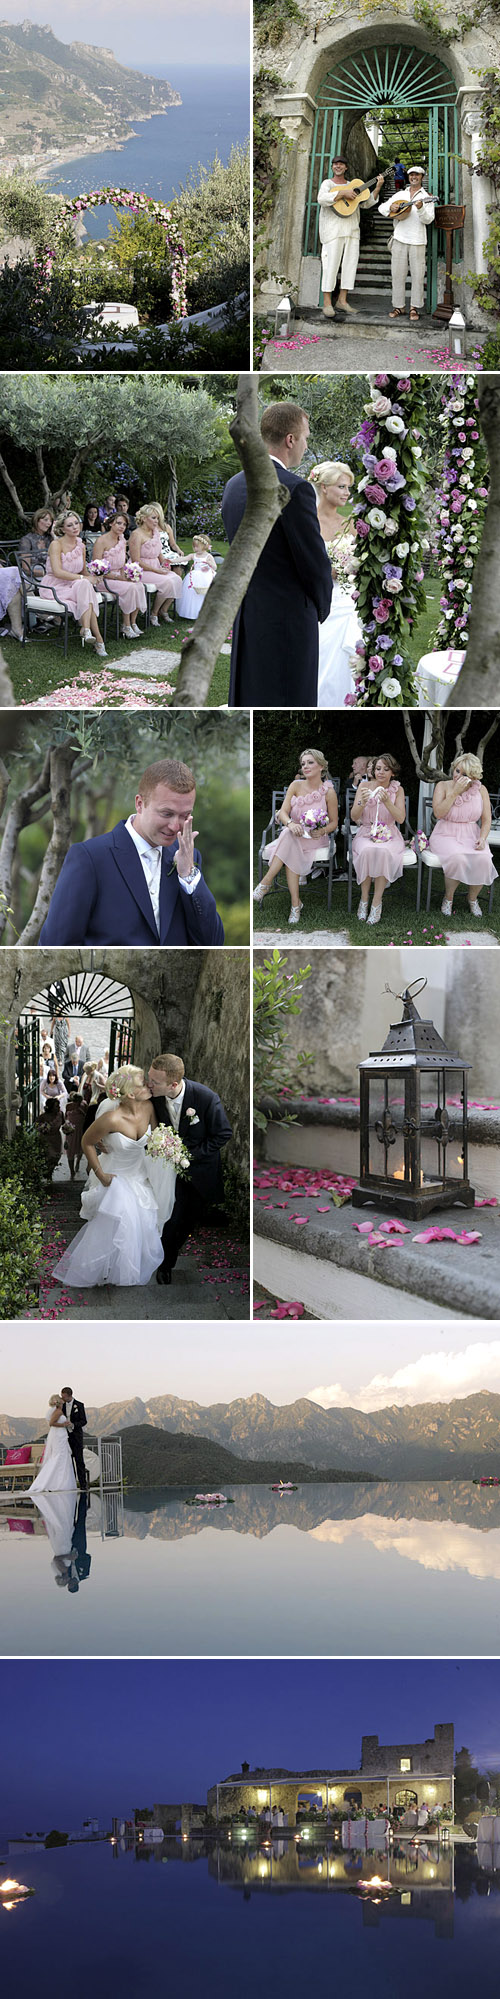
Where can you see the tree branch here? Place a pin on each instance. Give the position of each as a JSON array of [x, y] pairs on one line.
[[487, 738], [64, 759], [78, 460], [18, 816], [12, 489], [42, 474], [265, 499]]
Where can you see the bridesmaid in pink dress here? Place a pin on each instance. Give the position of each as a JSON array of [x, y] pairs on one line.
[[145, 547], [131, 596], [461, 807], [309, 814], [67, 572], [378, 857]]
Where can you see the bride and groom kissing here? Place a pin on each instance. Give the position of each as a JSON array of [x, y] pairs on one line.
[[142, 1199]]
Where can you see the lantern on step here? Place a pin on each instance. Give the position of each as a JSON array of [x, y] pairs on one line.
[[413, 1120], [283, 319], [456, 336]]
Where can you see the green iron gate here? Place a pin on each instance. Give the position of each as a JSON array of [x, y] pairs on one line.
[[408, 80], [121, 1043], [28, 1070]]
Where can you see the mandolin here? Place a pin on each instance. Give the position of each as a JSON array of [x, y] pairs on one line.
[[351, 193], [401, 206]]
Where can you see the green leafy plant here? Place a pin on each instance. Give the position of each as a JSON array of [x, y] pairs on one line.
[[20, 1245], [277, 994]]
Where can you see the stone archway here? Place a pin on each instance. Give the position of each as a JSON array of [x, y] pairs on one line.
[[304, 67]]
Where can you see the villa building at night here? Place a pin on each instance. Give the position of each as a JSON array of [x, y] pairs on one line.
[[397, 1774]]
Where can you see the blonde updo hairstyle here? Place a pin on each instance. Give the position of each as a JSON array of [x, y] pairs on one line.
[[469, 764], [329, 471], [124, 1082], [55, 1401], [318, 758], [59, 526], [151, 507]]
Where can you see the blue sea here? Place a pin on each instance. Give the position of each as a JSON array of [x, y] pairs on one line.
[[213, 117]]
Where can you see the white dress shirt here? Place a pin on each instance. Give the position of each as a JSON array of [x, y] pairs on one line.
[[150, 858], [413, 228], [174, 1107]]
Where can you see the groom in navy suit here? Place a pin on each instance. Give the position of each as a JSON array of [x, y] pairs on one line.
[[142, 883], [274, 654], [199, 1116]]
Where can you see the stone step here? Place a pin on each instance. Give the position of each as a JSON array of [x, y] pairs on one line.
[[327, 1135], [336, 1275]]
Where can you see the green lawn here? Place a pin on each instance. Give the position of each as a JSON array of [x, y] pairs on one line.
[[39, 668], [421, 640], [399, 923]]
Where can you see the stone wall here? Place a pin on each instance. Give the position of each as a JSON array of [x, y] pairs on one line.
[[346, 1011], [473, 1014], [431, 1789], [218, 1041], [435, 1754]]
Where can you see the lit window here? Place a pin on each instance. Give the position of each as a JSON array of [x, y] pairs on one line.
[[405, 1763]]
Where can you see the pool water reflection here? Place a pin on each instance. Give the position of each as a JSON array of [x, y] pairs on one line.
[[364, 1568], [207, 1918]]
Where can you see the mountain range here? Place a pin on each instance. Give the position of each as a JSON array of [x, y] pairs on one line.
[[153, 1458], [54, 92], [429, 1440]]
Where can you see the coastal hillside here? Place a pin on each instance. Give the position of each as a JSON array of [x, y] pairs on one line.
[[155, 1457], [53, 93]]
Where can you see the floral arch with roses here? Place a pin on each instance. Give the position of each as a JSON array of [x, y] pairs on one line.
[[138, 204]]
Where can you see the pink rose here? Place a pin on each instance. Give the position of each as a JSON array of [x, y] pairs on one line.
[[381, 610], [381, 405], [376, 495], [375, 662]]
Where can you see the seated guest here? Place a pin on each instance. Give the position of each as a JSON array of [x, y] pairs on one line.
[[91, 528], [131, 595], [141, 883], [10, 601], [122, 507], [198, 578], [108, 507], [378, 848], [462, 809], [145, 547], [309, 814], [34, 545], [67, 579]]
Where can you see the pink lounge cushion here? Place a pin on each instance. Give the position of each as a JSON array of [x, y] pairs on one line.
[[19, 1455]]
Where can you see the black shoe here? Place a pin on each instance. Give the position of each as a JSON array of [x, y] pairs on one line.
[[163, 1275]]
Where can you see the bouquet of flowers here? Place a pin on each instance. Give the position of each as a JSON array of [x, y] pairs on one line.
[[132, 571], [99, 566], [344, 563], [421, 839], [165, 1144], [379, 831], [311, 819]]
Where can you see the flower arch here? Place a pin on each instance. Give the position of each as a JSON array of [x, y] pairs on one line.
[[461, 507], [138, 204], [390, 533]]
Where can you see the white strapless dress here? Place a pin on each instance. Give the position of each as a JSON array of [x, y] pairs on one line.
[[337, 639], [121, 1241], [57, 1471]]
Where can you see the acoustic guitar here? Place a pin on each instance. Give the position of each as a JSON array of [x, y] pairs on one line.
[[351, 193]]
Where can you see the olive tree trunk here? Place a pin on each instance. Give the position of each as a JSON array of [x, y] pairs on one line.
[[51, 791], [265, 499], [479, 678]]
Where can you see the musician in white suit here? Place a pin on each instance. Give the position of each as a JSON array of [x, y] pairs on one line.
[[339, 238], [409, 242]]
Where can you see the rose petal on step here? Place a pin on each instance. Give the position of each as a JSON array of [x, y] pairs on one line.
[[300, 1220], [363, 1228]]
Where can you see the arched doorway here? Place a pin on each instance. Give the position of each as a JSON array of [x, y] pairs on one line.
[[406, 1800], [81, 997], [412, 96]]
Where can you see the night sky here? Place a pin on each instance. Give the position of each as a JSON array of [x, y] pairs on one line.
[[96, 1738]]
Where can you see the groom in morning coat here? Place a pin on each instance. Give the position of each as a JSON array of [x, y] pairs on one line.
[[142, 883], [200, 1119], [274, 654]]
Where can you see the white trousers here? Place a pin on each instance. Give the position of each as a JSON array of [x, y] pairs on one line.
[[403, 254], [341, 250]]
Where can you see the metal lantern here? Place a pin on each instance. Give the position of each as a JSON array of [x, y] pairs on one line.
[[413, 1133], [456, 336], [283, 319]]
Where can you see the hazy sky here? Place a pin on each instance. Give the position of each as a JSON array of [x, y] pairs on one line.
[[164, 1730], [159, 31], [368, 1366]]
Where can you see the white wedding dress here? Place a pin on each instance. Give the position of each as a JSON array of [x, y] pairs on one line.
[[57, 1471], [337, 639], [121, 1241]]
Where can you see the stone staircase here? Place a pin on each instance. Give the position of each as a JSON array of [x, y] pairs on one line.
[[373, 278]]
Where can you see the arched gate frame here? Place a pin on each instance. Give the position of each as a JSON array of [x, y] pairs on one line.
[[369, 83], [88, 996]]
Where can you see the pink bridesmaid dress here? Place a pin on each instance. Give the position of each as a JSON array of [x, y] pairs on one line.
[[300, 854], [75, 590], [455, 838], [163, 579], [384, 856], [132, 596]]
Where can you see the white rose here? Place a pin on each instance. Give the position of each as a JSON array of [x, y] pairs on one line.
[[460, 582], [465, 481], [458, 403], [376, 517], [473, 541], [402, 549], [391, 689], [395, 425], [363, 482], [417, 450], [468, 564], [471, 506], [378, 406], [391, 526], [467, 452], [389, 452]]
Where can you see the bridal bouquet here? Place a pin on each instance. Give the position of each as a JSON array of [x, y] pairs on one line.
[[99, 566], [311, 820], [165, 1144], [344, 563], [132, 571]]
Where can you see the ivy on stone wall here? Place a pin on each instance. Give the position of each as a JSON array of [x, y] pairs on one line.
[[272, 18]]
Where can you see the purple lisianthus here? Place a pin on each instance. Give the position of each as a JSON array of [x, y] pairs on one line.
[[482, 492], [397, 659], [392, 569], [384, 642], [395, 483], [409, 503]]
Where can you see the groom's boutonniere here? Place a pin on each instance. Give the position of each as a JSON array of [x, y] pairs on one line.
[[192, 1115]]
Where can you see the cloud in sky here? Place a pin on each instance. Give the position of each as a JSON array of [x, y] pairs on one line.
[[433, 1377]]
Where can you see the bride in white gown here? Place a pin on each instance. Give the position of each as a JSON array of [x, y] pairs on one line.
[[57, 1471], [338, 635], [124, 1208]]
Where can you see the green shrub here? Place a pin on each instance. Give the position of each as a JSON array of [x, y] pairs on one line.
[[236, 1199], [22, 1157], [20, 1246]]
